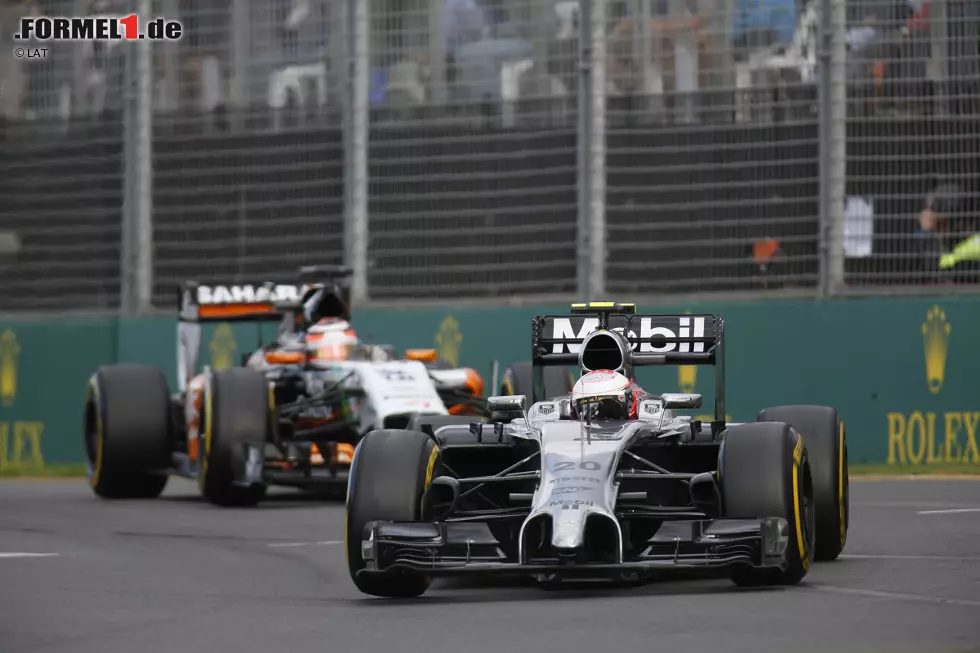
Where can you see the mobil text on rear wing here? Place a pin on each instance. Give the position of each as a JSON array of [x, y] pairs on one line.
[[654, 339]]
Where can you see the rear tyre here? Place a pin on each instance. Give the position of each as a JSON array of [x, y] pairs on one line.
[[236, 411], [826, 444], [128, 432], [390, 473], [518, 380], [764, 472]]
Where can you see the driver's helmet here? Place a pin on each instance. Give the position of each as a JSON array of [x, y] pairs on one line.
[[603, 394], [332, 339]]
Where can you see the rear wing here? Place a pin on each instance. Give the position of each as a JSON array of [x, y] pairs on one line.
[[266, 302], [696, 339], [238, 303]]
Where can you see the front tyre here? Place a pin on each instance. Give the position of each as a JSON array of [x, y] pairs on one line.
[[390, 473], [826, 444], [764, 472], [236, 412]]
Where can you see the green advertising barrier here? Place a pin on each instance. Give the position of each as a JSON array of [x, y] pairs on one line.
[[43, 369], [898, 370]]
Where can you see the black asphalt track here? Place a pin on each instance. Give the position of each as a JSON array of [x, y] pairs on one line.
[[178, 575]]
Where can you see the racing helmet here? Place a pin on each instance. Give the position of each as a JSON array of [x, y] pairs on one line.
[[603, 394], [332, 339]]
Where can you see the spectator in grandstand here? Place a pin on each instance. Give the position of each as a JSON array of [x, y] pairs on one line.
[[945, 237], [762, 24], [666, 29], [463, 21], [889, 46]]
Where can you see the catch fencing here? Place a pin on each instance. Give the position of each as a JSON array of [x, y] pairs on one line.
[[493, 149]]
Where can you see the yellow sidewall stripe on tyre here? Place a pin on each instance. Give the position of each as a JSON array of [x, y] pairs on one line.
[[804, 558], [797, 461], [840, 486], [202, 465], [430, 467]]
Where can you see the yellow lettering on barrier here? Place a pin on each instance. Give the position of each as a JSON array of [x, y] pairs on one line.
[[896, 438], [912, 438], [920, 452], [971, 420], [954, 422], [24, 448], [4, 443], [932, 459]]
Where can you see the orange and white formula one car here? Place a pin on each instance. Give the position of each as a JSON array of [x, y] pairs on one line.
[[291, 415]]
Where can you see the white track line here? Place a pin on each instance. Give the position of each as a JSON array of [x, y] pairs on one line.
[[898, 596], [289, 545], [860, 478], [907, 557], [950, 511], [27, 555], [913, 504]]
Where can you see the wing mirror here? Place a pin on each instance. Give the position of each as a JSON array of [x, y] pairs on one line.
[[677, 400], [506, 403], [509, 404]]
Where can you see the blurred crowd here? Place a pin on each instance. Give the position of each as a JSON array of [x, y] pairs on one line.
[[277, 54]]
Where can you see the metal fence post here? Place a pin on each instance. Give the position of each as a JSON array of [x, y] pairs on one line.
[[356, 125], [239, 86], [591, 151], [136, 271], [833, 143], [597, 148]]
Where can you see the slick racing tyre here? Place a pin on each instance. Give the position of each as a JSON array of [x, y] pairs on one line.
[[128, 432], [764, 472], [823, 431], [518, 380], [391, 471], [236, 411]]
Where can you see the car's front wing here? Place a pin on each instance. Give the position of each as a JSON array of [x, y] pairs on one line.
[[463, 548]]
